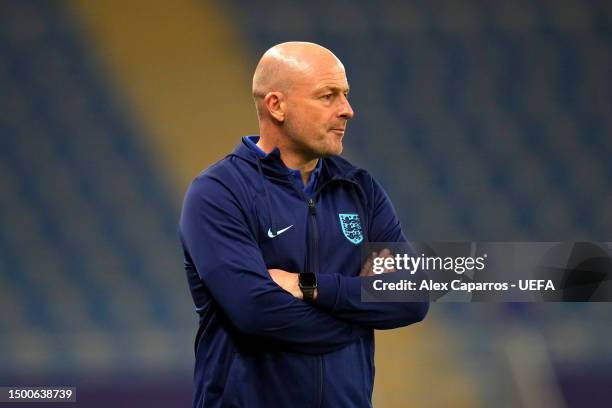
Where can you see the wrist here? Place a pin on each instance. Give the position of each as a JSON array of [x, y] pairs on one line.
[[328, 287], [307, 282]]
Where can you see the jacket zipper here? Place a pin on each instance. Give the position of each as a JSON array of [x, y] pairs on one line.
[[313, 268], [314, 237], [313, 264]]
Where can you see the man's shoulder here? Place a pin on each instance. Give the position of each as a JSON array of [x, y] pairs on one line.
[[230, 175], [343, 167], [340, 166], [228, 169]]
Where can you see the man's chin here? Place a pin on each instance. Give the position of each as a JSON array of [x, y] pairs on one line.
[[326, 149], [333, 151]]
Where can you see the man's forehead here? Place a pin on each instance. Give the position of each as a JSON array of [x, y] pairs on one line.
[[321, 77], [339, 85]]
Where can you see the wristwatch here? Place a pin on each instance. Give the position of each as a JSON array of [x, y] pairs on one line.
[[308, 283]]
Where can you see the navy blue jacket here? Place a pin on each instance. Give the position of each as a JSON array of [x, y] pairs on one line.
[[257, 345]]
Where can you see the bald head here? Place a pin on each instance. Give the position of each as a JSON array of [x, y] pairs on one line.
[[285, 64], [301, 95]]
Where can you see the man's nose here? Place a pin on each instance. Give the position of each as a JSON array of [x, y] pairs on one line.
[[346, 111]]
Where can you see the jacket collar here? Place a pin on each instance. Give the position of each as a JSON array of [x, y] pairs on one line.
[[332, 167]]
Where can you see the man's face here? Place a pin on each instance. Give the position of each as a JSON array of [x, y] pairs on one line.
[[318, 110]]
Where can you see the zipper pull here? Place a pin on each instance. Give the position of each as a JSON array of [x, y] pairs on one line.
[[311, 207]]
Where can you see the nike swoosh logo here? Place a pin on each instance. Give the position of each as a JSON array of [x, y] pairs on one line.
[[272, 235]]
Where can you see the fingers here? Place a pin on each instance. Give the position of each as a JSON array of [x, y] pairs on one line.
[[386, 253], [366, 268]]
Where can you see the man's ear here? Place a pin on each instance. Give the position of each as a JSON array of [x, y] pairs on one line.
[[275, 103]]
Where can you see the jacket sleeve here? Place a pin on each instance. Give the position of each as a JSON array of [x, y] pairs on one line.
[[340, 295], [215, 232]]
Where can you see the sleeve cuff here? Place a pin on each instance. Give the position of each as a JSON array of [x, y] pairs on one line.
[[327, 290]]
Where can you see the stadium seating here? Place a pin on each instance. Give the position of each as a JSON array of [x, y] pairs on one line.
[[88, 242], [483, 120]]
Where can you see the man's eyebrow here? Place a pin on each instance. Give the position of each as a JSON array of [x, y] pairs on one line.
[[334, 88]]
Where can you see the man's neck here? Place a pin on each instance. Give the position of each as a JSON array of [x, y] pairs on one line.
[[290, 158]]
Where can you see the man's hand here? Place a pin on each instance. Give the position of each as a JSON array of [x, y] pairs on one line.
[[367, 268], [289, 281]]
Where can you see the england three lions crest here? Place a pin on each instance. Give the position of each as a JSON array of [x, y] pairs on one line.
[[351, 227]]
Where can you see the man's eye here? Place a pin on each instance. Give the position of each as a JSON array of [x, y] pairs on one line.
[[327, 96]]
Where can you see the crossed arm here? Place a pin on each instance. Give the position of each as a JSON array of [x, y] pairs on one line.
[[290, 283], [215, 233], [343, 299]]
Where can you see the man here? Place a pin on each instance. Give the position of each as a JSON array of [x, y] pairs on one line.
[[271, 237]]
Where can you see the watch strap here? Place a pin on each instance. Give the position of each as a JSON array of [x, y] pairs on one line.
[[308, 294]]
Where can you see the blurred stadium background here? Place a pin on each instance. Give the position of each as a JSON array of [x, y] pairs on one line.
[[483, 120]]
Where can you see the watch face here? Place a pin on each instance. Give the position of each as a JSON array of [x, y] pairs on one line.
[[308, 280]]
